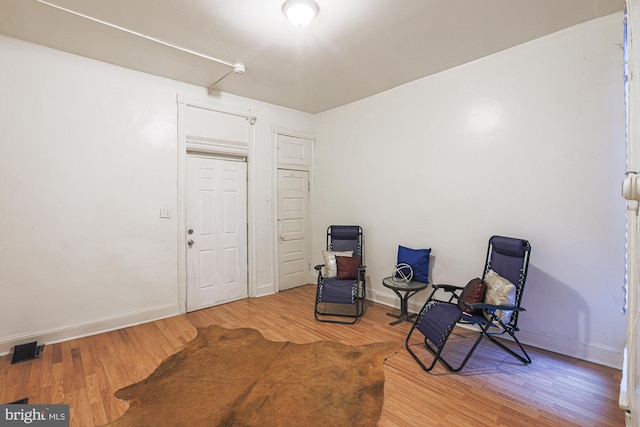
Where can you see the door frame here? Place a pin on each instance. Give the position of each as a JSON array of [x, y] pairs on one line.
[[205, 145], [310, 137]]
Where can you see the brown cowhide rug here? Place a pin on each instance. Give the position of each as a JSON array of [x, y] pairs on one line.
[[236, 377]]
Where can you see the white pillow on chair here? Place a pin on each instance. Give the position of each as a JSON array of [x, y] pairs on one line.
[[330, 264], [500, 291]]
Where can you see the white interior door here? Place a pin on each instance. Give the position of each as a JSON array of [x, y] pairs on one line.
[[216, 221], [293, 240]]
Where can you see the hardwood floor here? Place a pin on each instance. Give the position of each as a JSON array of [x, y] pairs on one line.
[[494, 389]]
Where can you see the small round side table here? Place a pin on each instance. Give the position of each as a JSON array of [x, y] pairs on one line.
[[404, 291]]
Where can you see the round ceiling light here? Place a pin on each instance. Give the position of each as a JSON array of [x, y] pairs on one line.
[[300, 12]]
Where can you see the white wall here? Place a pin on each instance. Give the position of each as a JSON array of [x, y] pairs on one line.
[[88, 156], [528, 143]]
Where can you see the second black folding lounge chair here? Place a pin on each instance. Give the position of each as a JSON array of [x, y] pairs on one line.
[[506, 266], [340, 294]]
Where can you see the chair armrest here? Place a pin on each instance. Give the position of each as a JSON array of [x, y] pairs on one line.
[[485, 306], [447, 288], [318, 268]]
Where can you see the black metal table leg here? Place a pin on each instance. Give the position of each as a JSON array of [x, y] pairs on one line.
[[404, 307], [404, 292]]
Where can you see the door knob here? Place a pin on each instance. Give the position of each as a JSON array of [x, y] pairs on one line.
[[190, 243]]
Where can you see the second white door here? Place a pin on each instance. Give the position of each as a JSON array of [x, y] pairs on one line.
[[216, 231], [293, 241]]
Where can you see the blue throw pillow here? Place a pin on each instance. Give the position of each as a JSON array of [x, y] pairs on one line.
[[418, 259]]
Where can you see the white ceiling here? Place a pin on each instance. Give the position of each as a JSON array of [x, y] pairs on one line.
[[353, 49]]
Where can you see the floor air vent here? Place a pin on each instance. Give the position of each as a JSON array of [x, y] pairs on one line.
[[25, 352]]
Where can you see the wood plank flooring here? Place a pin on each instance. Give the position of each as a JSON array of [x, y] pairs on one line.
[[493, 390]]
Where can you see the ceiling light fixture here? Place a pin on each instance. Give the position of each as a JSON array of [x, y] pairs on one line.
[[300, 12]]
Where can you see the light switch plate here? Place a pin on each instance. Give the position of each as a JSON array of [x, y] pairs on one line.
[[165, 213]]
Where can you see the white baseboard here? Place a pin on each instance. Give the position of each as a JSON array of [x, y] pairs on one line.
[[602, 355], [53, 336], [391, 300], [264, 290], [599, 354]]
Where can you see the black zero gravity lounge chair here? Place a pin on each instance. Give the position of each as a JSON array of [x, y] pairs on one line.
[[341, 288], [491, 304]]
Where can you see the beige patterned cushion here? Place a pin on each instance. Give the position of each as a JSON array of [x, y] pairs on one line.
[[500, 291]]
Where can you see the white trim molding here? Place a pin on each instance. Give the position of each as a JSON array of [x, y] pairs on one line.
[[310, 137], [203, 144], [53, 336], [226, 147]]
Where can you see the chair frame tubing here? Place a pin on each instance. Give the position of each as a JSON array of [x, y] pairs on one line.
[[484, 332], [437, 350], [482, 323], [361, 292], [358, 305]]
